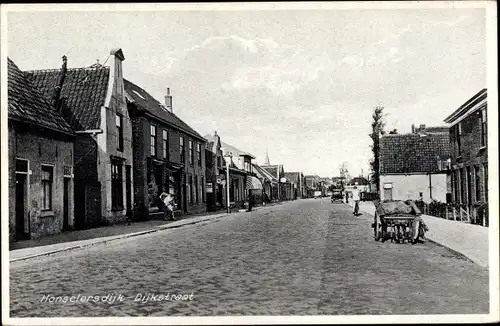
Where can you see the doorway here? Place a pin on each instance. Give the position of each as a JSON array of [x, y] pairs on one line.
[[128, 190], [21, 228], [66, 204]]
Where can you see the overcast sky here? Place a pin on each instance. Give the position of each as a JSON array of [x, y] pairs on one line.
[[301, 84]]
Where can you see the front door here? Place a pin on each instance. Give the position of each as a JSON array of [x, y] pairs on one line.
[[128, 190], [66, 204], [20, 207]]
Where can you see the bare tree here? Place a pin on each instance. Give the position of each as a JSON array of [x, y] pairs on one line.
[[378, 125]]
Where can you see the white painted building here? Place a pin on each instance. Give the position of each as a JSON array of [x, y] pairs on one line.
[[415, 166]]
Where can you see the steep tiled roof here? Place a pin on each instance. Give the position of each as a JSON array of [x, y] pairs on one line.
[[407, 153], [82, 95], [271, 169], [27, 104], [263, 173], [145, 101]]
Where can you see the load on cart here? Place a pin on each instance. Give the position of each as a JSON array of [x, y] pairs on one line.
[[398, 221]]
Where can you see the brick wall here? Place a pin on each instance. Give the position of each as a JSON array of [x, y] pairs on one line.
[[473, 156], [51, 149], [142, 152], [140, 132]]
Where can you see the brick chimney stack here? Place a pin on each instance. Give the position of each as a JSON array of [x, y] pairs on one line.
[[168, 101], [60, 81]]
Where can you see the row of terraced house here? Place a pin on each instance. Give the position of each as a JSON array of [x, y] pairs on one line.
[[88, 147], [445, 167]]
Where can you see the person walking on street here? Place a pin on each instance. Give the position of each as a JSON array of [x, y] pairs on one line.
[[355, 197]]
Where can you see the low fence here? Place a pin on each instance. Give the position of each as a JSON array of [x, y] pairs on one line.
[[474, 214]]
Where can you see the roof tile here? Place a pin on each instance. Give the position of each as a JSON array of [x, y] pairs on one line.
[[82, 95], [408, 153], [27, 104]]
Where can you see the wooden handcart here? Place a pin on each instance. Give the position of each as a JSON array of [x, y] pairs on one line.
[[397, 227]]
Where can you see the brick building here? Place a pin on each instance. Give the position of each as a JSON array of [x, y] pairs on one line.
[[269, 183], [40, 161], [214, 163], [469, 158], [169, 156], [297, 184], [92, 101], [242, 179], [311, 182], [411, 166]]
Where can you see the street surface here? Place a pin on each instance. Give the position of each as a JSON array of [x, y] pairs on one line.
[[307, 257]]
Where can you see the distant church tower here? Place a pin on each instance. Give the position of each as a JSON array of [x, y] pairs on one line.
[[267, 159]]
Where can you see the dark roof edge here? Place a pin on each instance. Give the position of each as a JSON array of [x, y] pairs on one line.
[[42, 126], [146, 112], [482, 94]]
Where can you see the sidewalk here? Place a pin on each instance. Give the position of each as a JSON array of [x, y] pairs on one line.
[[467, 239], [83, 238]]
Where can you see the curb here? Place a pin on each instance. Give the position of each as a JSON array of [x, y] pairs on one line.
[[119, 237], [131, 235], [455, 252]]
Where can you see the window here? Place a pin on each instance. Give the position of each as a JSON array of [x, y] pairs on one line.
[[198, 149], [477, 183], [459, 135], [22, 166], [484, 131], [153, 140], [119, 132], [165, 143], [181, 142], [190, 152], [219, 161], [116, 186], [47, 180], [196, 188]]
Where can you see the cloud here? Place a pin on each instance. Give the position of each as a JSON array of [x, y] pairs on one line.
[[252, 46]]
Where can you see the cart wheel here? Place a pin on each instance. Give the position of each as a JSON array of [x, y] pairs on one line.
[[377, 228]]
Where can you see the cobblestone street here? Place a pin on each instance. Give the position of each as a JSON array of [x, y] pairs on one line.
[[307, 257]]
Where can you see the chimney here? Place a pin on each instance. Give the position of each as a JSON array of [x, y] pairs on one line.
[[168, 101], [60, 81], [413, 130]]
